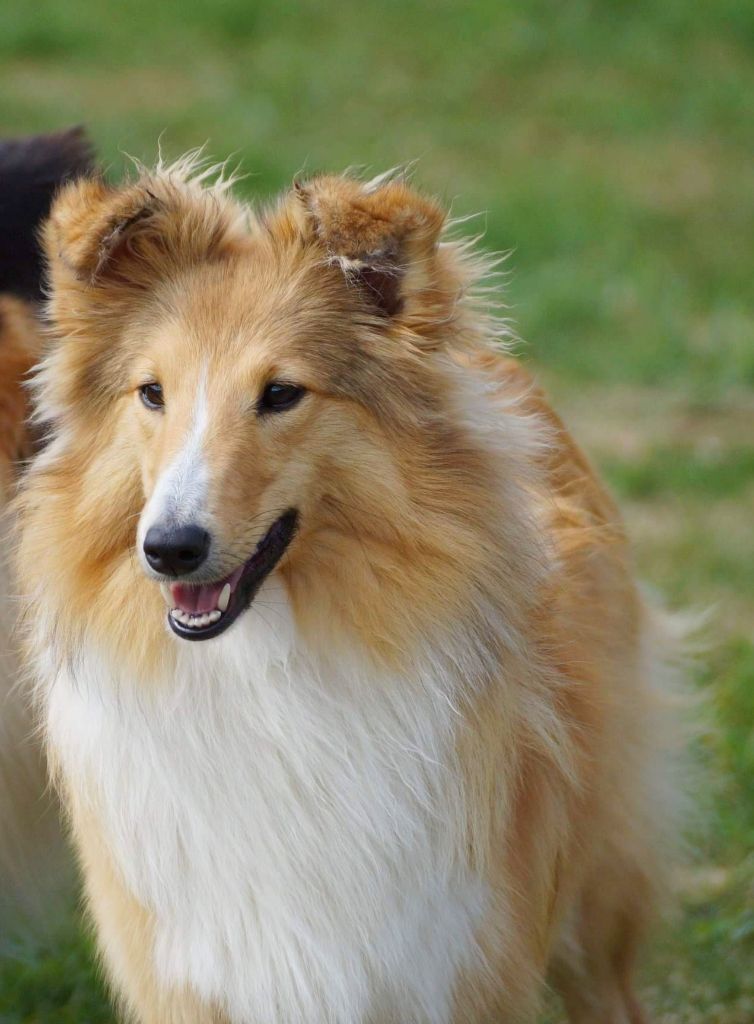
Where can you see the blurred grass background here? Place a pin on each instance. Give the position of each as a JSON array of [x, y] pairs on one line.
[[610, 145]]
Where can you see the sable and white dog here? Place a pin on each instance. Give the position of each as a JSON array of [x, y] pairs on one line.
[[392, 753]]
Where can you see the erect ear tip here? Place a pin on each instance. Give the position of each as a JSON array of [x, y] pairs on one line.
[[88, 220], [382, 233], [75, 198], [70, 214], [348, 210]]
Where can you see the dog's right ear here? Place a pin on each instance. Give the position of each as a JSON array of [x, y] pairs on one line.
[[136, 234], [92, 226]]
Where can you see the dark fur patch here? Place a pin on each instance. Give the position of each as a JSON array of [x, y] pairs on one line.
[[381, 286], [31, 171]]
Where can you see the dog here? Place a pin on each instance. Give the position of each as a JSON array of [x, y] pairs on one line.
[[353, 701], [32, 860]]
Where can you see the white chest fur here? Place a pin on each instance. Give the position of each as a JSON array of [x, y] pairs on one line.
[[294, 827]]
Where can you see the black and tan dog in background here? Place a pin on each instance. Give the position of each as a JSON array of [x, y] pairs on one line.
[[31, 171]]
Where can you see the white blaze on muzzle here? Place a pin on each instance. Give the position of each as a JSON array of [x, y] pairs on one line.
[[180, 493]]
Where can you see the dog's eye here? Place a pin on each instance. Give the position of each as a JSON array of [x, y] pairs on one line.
[[279, 396], [151, 395]]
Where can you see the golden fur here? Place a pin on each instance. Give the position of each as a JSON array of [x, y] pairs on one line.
[[444, 510]]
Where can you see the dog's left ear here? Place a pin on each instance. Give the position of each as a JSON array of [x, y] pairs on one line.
[[385, 237]]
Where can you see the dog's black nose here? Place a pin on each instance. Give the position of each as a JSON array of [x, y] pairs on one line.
[[176, 550]]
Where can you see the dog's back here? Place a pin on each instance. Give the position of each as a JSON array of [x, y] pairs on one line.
[[31, 170]]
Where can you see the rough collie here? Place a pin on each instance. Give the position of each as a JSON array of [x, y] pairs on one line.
[[346, 680]]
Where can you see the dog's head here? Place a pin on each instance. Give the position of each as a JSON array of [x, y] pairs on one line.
[[240, 394]]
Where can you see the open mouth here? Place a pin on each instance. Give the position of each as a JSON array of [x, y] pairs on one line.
[[199, 611]]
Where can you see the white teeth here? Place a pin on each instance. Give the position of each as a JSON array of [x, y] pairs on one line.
[[206, 618], [166, 594], [196, 621]]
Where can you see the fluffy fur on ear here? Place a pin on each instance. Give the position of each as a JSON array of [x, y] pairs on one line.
[[131, 235], [93, 225], [386, 237]]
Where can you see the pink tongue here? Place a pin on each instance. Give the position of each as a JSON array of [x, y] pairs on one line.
[[203, 597]]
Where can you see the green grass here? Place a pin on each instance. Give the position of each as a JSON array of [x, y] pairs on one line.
[[56, 981], [607, 144], [722, 474]]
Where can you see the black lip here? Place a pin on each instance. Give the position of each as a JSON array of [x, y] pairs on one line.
[[257, 568]]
